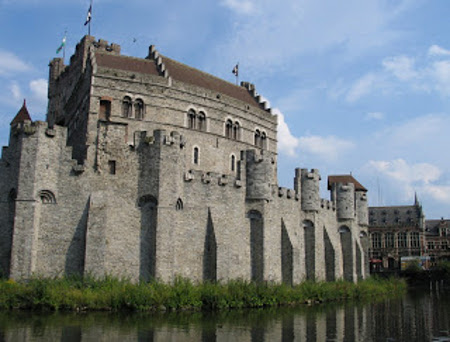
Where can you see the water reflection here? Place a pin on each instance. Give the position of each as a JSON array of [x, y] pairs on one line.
[[418, 316]]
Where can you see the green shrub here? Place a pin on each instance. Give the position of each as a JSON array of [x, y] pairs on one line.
[[75, 293]]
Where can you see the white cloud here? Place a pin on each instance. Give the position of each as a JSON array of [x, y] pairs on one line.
[[401, 171], [39, 89], [362, 87], [440, 74], [375, 116], [440, 193], [10, 63], [277, 34], [436, 50], [329, 148], [401, 67], [287, 143], [239, 6], [16, 93], [403, 179]]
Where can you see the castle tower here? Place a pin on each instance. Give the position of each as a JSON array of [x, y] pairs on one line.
[[362, 209], [310, 197], [259, 175], [345, 201]]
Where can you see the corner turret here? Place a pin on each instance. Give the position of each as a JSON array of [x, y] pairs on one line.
[[259, 174], [310, 196], [22, 115]]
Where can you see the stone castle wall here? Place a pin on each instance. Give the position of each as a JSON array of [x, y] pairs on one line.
[[126, 196]]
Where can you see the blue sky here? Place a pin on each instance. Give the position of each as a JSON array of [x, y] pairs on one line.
[[360, 86]]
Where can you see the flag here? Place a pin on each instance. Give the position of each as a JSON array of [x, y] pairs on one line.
[[89, 15], [236, 70], [63, 43]]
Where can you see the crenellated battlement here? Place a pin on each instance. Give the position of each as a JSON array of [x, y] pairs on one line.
[[43, 128], [327, 204], [198, 154], [264, 104], [211, 178]]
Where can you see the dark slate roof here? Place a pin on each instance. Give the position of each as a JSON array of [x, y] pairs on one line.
[[22, 115], [345, 179], [178, 71], [395, 215], [432, 226], [140, 65]]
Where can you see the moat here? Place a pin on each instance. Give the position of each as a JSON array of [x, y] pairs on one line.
[[420, 315]]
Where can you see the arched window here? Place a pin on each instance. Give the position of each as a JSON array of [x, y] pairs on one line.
[[201, 121], [229, 129], [196, 156], [47, 197], [257, 138], [139, 109], [233, 163], [263, 142], [191, 119], [236, 129], [126, 107], [179, 205]]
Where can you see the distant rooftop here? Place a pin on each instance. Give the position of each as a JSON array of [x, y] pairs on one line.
[[345, 179]]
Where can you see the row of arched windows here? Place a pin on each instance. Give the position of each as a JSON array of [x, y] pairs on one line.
[[260, 139], [196, 120], [128, 105], [233, 129], [130, 109]]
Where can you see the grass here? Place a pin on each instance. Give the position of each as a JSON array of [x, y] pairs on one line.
[[112, 294]]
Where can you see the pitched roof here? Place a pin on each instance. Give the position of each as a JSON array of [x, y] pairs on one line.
[[22, 115], [140, 65], [178, 71], [345, 179], [187, 74]]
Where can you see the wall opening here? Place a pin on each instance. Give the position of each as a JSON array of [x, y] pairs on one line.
[[105, 110]]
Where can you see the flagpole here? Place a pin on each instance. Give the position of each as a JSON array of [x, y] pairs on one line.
[[64, 47], [90, 19]]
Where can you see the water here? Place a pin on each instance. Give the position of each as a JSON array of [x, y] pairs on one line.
[[421, 315]]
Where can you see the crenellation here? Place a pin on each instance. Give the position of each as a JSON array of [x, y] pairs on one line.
[[122, 180]]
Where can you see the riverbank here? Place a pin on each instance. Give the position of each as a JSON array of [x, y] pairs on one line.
[[82, 294]]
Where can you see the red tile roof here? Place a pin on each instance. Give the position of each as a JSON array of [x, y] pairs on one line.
[[187, 74], [22, 115], [178, 71], [345, 179], [140, 65]]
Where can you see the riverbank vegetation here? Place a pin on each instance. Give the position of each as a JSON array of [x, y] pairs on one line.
[[415, 275], [80, 294]]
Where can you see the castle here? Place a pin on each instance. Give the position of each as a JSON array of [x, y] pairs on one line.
[[148, 168]]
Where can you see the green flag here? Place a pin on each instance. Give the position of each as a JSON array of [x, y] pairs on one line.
[[63, 43]]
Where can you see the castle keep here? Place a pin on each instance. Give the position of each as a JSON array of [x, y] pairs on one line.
[[148, 168]]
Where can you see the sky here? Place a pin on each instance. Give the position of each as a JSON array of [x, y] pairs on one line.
[[360, 87]]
